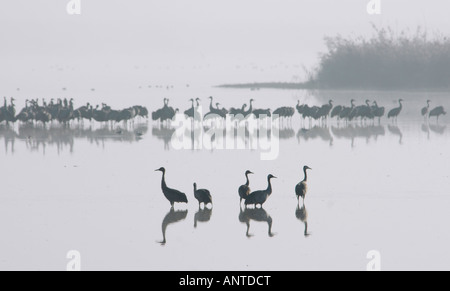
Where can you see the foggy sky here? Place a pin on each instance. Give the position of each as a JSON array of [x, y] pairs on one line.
[[173, 32]]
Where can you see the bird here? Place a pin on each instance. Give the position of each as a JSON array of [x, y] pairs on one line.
[[345, 112], [438, 111], [190, 112], [168, 112], [215, 111], [396, 111], [425, 109], [302, 188], [324, 111], [260, 197], [250, 109], [336, 111], [284, 112], [202, 196], [171, 194], [244, 190], [377, 111], [260, 113]]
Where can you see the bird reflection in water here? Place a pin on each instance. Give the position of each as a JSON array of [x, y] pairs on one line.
[[352, 132], [9, 136], [302, 215], [164, 134], [395, 130], [316, 132], [286, 133], [435, 128], [438, 129], [172, 217], [255, 214], [202, 215], [37, 137]]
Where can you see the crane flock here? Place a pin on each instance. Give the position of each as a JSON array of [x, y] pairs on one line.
[[364, 112], [63, 111], [254, 198]]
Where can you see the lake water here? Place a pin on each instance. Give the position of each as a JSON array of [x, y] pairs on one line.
[[382, 187]]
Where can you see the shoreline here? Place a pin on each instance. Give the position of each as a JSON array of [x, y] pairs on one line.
[[310, 86]]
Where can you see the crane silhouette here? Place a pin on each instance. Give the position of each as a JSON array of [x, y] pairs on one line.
[[302, 188], [260, 197], [438, 111], [244, 190], [202, 196], [425, 110], [171, 194], [394, 113]]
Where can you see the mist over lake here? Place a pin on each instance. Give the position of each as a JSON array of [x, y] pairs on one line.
[[74, 184]]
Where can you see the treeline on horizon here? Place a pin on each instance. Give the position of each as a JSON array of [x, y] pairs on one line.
[[388, 60]]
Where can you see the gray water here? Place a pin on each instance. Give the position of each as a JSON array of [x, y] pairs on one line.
[[373, 186]]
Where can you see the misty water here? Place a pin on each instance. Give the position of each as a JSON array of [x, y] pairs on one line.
[[374, 186]]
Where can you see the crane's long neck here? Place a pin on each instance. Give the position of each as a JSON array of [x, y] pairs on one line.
[[306, 175], [248, 182], [401, 105], [163, 180], [269, 187], [211, 105], [251, 106]]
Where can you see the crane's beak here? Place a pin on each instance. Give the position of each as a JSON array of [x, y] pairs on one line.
[[157, 170]]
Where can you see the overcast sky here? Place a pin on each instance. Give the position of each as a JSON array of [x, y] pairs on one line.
[[172, 32]]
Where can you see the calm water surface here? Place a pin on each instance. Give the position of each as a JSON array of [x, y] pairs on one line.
[[374, 186]]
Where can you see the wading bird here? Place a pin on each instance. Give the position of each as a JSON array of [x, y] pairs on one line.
[[377, 111], [425, 109], [171, 194], [438, 111], [302, 188], [260, 197], [396, 111], [202, 196], [244, 190]]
